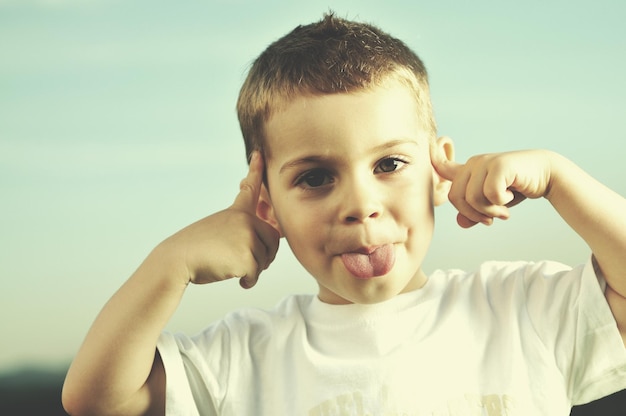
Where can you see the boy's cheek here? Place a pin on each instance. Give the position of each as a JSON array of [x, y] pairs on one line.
[[441, 189]]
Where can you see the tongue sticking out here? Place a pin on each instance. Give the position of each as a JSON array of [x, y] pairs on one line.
[[365, 266]]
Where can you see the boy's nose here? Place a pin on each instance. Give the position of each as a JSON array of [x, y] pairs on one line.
[[359, 203]]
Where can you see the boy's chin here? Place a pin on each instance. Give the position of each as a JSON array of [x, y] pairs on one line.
[[360, 297]]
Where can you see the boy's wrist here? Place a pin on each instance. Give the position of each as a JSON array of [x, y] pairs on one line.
[[165, 267], [561, 171]]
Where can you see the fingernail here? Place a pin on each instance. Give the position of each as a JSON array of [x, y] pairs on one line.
[[247, 282]]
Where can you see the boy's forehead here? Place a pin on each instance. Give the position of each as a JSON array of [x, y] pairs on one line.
[[388, 112]]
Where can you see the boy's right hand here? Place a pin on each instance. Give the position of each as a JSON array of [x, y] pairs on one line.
[[231, 243]]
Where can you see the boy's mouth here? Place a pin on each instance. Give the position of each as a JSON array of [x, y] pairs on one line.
[[367, 263]]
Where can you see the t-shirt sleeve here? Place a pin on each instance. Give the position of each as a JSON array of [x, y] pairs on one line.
[[191, 380], [210, 372], [178, 396], [568, 309]]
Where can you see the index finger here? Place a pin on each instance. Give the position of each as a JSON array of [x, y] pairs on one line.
[[250, 186], [445, 168]]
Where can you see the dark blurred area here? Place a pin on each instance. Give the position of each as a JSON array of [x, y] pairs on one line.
[[613, 405], [33, 392]]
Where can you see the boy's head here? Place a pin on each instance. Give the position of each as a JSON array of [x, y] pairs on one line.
[[328, 57], [342, 115]]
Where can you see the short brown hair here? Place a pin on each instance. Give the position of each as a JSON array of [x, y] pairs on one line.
[[331, 56]]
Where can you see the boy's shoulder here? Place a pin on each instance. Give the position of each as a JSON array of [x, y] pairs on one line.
[[498, 270], [253, 324], [290, 308], [518, 279]]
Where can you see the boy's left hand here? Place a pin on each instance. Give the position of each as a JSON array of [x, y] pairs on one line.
[[486, 186]]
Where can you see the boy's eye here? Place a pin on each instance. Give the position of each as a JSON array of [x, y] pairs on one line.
[[389, 164], [314, 178]]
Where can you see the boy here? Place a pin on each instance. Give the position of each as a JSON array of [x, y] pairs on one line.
[[346, 166]]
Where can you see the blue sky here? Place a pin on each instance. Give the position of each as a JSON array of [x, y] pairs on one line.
[[117, 128]]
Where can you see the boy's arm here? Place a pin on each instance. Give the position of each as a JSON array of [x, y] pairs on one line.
[[598, 215], [486, 186], [118, 369]]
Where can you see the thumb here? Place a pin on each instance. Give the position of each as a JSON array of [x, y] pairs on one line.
[[250, 186]]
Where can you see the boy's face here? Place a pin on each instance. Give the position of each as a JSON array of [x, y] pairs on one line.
[[351, 189]]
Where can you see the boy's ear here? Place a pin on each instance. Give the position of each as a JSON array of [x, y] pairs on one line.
[[265, 209], [441, 150]]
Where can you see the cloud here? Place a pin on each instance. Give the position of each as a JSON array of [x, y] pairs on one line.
[[54, 3], [91, 158]]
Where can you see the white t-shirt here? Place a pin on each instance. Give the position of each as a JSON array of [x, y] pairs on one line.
[[510, 339]]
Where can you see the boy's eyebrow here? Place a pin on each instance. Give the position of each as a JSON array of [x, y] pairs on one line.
[[320, 158], [302, 161]]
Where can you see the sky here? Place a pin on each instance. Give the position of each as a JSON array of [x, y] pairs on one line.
[[118, 127]]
